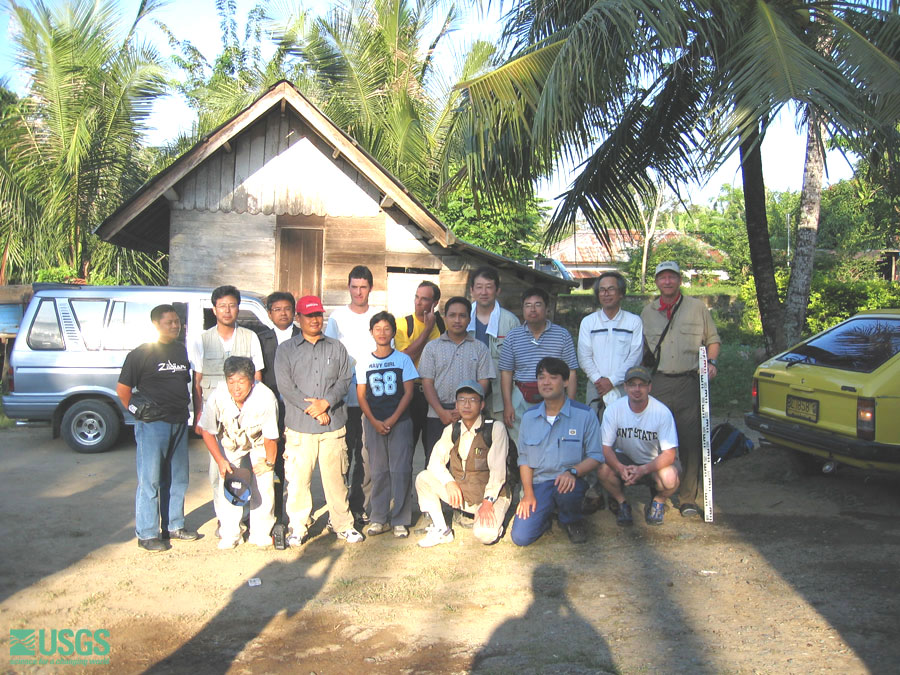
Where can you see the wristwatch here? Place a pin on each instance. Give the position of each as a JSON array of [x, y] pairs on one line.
[[270, 464], [489, 499], [713, 362], [573, 471]]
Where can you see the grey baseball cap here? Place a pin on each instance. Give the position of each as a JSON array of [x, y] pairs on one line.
[[669, 265], [471, 385], [638, 372]]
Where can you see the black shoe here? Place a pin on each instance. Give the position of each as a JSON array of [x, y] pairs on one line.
[[577, 533], [153, 544], [592, 504], [623, 514], [613, 506], [689, 510], [464, 520], [182, 535]]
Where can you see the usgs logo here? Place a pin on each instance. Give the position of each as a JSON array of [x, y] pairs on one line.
[[53, 642]]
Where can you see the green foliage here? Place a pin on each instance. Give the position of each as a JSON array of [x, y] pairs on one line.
[[62, 274], [689, 253], [508, 231], [70, 148], [858, 215], [831, 301]]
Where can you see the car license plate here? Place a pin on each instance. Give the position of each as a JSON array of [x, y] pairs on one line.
[[802, 408]]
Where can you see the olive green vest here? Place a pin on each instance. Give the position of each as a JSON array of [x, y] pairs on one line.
[[214, 356]]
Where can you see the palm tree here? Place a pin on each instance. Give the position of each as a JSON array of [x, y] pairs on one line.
[[70, 147], [646, 88]]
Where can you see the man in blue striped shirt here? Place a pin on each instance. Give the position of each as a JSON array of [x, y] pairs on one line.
[[523, 349]]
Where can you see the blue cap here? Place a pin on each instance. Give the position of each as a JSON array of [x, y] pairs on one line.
[[237, 487], [471, 385]]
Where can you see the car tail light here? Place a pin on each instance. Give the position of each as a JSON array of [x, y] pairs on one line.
[[865, 419], [754, 394]]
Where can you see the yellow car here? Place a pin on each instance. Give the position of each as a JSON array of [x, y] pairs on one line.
[[836, 396]]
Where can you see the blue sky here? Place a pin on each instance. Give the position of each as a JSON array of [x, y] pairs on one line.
[[196, 20]]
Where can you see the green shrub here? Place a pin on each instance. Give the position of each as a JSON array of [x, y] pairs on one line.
[[56, 275], [831, 301]]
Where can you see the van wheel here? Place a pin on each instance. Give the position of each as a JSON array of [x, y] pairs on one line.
[[90, 425]]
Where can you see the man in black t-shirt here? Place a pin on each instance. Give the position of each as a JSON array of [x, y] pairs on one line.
[[161, 372]]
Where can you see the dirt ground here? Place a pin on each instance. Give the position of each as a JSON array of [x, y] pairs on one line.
[[798, 574]]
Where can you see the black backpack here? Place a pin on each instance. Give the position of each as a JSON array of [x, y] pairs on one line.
[[438, 321], [728, 442]]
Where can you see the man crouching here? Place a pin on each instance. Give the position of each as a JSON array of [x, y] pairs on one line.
[[467, 469], [240, 429], [640, 445]]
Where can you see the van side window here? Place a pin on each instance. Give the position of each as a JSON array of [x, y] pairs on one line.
[[248, 319], [89, 315], [129, 326], [45, 331]]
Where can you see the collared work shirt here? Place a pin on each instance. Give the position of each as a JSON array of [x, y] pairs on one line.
[[609, 347], [304, 370], [549, 449], [521, 351], [440, 455], [449, 364], [691, 327], [241, 429]]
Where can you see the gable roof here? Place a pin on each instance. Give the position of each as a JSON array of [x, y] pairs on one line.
[[135, 224]]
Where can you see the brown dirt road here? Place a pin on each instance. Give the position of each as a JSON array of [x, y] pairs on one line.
[[797, 574]]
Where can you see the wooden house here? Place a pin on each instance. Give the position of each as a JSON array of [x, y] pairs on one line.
[[279, 198]]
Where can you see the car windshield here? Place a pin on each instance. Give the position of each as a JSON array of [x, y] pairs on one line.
[[861, 345]]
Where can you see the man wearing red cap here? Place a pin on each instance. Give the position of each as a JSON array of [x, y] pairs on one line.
[[313, 374], [675, 326]]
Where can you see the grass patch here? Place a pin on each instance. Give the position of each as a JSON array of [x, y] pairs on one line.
[[5, 422]]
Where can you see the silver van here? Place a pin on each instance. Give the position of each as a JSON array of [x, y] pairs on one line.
[[72, 342]]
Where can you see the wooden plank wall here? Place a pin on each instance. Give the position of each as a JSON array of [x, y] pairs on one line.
[[278, 166], [211, 249]]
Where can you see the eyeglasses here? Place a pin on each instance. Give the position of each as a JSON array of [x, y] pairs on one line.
[[467, 400], [533, 305], [222, 305], [606, 290]]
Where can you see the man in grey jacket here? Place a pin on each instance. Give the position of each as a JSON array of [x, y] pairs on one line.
[[313, 374]]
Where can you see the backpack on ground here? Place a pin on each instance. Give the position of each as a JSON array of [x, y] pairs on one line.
[[728, 442]]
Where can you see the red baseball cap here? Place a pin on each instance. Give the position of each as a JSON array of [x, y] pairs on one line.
[[310, 304]]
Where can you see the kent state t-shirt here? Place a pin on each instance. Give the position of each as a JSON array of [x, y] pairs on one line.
[[384, 378]]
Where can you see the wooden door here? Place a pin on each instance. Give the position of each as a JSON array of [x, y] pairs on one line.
[[300, 257]]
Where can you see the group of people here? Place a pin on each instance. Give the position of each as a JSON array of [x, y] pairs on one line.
[[493, 400]]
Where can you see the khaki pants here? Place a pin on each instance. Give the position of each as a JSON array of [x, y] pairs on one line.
[[300, 454], [432, 492], [262, 517]]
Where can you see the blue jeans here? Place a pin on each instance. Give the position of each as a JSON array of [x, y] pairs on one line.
[[568, 505], [162, 471]]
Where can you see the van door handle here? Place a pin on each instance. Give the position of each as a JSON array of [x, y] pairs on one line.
[[801, 388]]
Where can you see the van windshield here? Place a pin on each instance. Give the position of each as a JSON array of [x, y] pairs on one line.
[[860, 345]]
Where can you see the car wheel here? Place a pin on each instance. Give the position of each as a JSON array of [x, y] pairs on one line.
[[90, 425]]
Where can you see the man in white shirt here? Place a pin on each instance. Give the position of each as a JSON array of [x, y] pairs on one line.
[[610, 341], [350, 325], [207, 354], [640, 446]]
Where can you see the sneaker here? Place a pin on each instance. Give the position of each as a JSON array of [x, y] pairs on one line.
[[655, 513], [182, 535], [434, 536], [296, 540], [623, 515], [577, 533], [401, 531], [688, 510], [377, 528], [153, 544], [350, 536], [225, 544]]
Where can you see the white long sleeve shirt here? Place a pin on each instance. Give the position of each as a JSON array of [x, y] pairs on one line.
[[609, 347]]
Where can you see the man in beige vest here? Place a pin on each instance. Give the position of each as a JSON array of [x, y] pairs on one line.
[[208, 353], [467, 470]]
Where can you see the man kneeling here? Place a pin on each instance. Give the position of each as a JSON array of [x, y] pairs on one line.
[[640, 445], [467, 469], [240, 429]]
